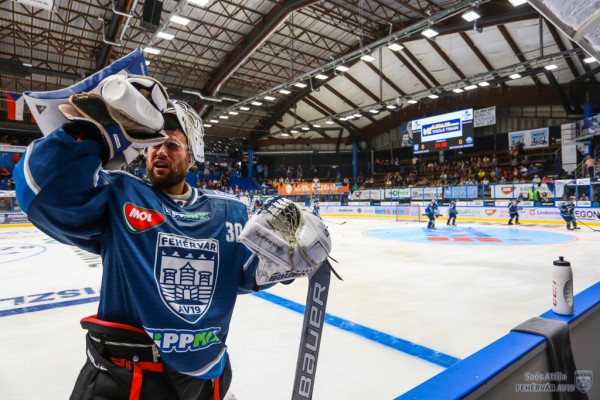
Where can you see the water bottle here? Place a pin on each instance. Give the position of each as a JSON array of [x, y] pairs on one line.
[[562, 287]]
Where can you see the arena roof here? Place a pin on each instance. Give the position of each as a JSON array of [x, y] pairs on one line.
[[231, 54]]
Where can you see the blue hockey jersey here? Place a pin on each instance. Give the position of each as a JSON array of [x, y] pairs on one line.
[[567, 209], [173, 270]]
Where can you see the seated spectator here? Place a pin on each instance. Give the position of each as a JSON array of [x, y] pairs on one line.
[[5, 173], [536, 180], [584, 197]]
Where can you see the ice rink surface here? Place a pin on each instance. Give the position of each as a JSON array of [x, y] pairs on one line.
[[412, 302]]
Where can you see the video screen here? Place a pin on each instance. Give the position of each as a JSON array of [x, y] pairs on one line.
[[443, 132]]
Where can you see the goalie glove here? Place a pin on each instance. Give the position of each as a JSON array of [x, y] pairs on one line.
[[126, 111], [291, 243]]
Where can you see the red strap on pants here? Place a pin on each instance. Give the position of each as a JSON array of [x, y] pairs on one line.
[[136, 383], [216, 389]]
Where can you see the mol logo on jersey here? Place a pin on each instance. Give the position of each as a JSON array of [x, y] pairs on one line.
[[186, 271], [139, 219]]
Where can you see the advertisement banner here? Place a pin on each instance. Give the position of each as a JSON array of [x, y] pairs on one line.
[[397, 193], [367, 194], [7, 148], [510, 191], [484, 116], [13, 218], [425, 193], [460, 192], [532, 138], [305, 188]]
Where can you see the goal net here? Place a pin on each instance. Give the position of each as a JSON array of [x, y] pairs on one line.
[[409, 212]]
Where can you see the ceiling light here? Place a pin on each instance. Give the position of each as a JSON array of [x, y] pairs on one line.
[[374, 111], [471, 15], [223, 116], [457, 90], [214, 121], [391, 106], [411, 101], [206, 125], [470, 87], [269, 98], [165, 35], [367, 58], [256, 103], [350, 117], [433, 96], [244, 108], [300, 85], [316, 126], [395, 47], [305, 128], [233, 113], [342, 68], [550, 67], [358, 115], [585, 60], [483, 84], [294, 131], [147, 63], [179, 20], [151, 50], [516, 3], [31, 65], [329, 122], [343, 119], [200, 3], [514, 76], [285, 91], [285, 134], [429, 33], [321, 76]]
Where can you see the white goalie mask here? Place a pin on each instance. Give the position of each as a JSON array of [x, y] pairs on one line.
[[191, 124]]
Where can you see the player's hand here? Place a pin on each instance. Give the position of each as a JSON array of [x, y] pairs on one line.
[[125, 110]]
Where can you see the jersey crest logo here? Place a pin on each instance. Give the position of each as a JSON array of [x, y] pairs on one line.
[[186, 271], [140, 219]]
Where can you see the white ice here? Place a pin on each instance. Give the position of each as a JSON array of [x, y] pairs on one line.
[[455, 299]]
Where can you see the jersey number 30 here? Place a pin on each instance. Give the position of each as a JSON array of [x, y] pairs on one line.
[[233, 231]]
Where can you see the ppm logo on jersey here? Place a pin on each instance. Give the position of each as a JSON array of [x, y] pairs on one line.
[[139, 219], [181, 341]]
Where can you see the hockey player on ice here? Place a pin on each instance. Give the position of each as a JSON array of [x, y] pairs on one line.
[[567, 211], [513, 211], [315, 209], [432, 212], [452, 213], [173, 256]]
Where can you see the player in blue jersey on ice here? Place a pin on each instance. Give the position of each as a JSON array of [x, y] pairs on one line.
[[452, 213], [513, 211], [432, 212], [567, 212], [174, 257]]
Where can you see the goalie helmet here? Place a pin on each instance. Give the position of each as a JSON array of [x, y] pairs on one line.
[[180, 115]]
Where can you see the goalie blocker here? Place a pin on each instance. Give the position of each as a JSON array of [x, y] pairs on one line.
[[290, 243]]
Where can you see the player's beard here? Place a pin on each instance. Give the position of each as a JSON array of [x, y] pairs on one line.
[[175, 176]]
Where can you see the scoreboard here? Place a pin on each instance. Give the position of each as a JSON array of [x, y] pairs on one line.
[[443, 132]]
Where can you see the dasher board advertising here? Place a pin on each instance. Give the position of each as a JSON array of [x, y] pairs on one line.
[[443, 132]]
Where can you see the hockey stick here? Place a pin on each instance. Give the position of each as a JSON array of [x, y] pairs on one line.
[[595, 230], [333, 222], [312, 328]]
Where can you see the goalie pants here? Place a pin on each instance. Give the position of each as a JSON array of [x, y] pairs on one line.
[[116, 370]]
